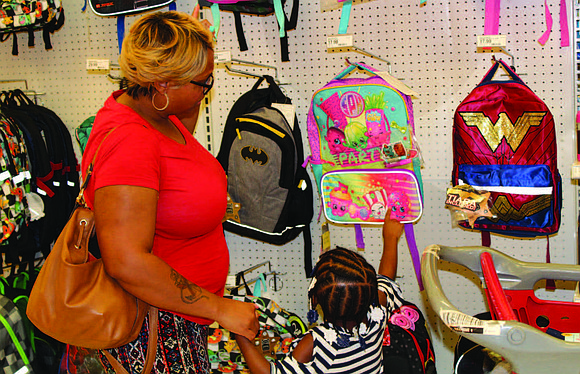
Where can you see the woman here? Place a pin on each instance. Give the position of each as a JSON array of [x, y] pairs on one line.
[[159, 196]]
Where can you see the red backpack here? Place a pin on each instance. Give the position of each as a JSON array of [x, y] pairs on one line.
[[504, 141]]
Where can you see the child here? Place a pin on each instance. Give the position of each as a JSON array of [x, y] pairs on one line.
[[345, 287]]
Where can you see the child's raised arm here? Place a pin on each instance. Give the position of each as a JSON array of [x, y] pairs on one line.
[[392, 231]]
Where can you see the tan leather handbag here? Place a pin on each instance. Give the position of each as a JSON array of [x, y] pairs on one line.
[[76, 302]]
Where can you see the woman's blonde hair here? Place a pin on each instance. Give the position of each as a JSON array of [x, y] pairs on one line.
[[162, 47]]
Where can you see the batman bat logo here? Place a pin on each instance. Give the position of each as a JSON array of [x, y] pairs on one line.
[[254, 154]]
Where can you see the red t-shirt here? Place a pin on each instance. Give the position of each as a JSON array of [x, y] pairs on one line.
[[190, 181]]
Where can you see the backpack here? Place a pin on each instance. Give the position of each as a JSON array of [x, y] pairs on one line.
[[255, 7], [262, 155], [15, 354], [365, 157], [54, 169], [29, 16], [15, 181], [278, 329], [120, 8], [407, 346], [83, 131], [504, 142], [46, 351]]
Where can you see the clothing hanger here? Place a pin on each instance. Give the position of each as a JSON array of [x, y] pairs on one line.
[[275, 275], [26, 91], [228, 67]]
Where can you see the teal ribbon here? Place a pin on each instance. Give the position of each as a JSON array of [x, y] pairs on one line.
[[279, 10], [345, 16]]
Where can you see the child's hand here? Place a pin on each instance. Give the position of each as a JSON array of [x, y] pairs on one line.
[[392, 228]]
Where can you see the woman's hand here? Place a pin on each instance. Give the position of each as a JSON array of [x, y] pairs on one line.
[[238, 317]]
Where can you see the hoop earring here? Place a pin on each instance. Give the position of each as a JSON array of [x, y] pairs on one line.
[[166, 102]]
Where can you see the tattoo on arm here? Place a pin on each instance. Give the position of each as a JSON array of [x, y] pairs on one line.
[[190, 292]]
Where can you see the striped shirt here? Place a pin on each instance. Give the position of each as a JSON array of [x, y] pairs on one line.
[[336, 350]]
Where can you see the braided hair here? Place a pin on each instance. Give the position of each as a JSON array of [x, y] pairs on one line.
[[345, 286]]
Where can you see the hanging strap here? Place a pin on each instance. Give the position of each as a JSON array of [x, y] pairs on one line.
[[564, 32], [240, 32], [215, 13], [352, 66], [307, 250], [412, 244], [550, 283], [280, 16], [360, 239], [151, 346], [121, 26], [549, 22], [485, 239], [491, 24], [260, 285], [345, 16], [491, 73]]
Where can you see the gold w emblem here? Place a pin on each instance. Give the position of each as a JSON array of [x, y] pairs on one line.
[[503, 128], [506, 212]]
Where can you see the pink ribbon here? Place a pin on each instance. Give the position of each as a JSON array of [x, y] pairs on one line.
[[491, 26], [565, 36], [549, 22]]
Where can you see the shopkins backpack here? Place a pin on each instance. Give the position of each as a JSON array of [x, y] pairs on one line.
[[365, 157], [504, 142]]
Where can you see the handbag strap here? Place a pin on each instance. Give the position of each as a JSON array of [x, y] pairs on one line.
[[80, 201], [151, 346]]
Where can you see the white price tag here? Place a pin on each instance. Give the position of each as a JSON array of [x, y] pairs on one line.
[[222, 57], [491, 41], [97, 64], [289, 112], [339, 41]]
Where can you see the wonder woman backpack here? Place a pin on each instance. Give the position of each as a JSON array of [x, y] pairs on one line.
[[365, 157], [504, 142]]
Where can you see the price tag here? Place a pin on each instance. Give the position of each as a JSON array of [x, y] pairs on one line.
[[491, 41], [97, 64], [288, 111], [222, 57], [339, 41]]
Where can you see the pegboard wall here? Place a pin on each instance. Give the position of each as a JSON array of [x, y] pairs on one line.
[[431, 48]]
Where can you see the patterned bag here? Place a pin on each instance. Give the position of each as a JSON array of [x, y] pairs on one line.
[[15, 179], [407, 346], [28, 16], [278, 328], [14, 350]]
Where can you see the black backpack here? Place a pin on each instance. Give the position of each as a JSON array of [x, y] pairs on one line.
[[29, 16], [407, 347], [260, 8], [262, 156]]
